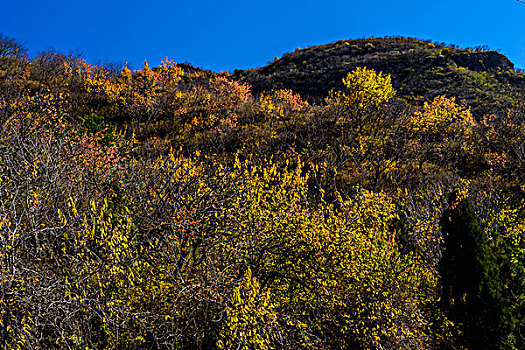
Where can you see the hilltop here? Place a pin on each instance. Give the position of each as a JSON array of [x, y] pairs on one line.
[[420, 70], [283, 207]]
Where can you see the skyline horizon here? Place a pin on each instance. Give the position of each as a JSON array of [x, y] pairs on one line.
[[234, 34], [134, 66]]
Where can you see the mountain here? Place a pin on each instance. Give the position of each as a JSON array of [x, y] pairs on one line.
[[420, 70], [177, 208]]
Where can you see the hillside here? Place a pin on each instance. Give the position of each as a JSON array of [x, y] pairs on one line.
[[172, 207], [420, 70]]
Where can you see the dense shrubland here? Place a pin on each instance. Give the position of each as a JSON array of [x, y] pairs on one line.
[[170, 207]]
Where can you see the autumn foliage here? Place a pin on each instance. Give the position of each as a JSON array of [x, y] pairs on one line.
[[171, 208]]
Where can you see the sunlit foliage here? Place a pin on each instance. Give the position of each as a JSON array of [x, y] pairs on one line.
[[366, 87], [172, 208]]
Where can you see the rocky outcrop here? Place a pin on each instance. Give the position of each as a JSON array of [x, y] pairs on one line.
[[488, 61]]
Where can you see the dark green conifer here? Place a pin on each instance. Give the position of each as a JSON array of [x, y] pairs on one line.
[[472, 291]]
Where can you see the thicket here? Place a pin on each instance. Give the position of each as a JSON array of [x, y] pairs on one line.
[[170, 207]]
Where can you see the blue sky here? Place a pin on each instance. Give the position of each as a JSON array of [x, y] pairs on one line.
[[224, 35]]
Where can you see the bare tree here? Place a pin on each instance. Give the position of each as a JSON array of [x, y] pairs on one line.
[[11, 47]]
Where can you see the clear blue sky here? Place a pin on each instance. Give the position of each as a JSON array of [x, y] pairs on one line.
[[229, 34]]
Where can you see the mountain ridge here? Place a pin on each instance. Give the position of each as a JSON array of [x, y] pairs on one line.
[[420, 70]]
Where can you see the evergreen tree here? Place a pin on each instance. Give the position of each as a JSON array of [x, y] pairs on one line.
[[472, 294]]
